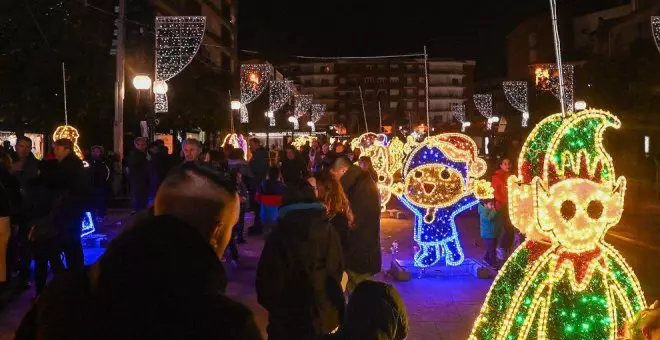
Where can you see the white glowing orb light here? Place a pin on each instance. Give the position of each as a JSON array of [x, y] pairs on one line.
[[580, 105], [293, 120], [142, 82], [235, 105], [465, 125], [311, 126], [486, 144], [160, 87]]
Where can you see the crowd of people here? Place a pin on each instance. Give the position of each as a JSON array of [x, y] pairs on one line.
[[163, 276]]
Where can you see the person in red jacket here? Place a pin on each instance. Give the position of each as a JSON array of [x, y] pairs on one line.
[[501, 194]]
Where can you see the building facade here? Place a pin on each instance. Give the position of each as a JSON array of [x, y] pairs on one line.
[[386, 91]]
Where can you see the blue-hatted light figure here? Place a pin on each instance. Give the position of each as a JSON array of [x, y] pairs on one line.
[[87, 224], [439, 181]]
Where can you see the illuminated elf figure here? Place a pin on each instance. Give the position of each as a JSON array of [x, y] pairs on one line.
[[565, 281], [439, 181]]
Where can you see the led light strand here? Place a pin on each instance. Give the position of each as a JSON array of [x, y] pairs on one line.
[[302, 104], [458, 110], [437, 186], [484, 104], [254, 80], [177, 40], [279, 93], [70, 133], [238, 142], [655, 28], [547, 79], [318, 110], [516, 94]]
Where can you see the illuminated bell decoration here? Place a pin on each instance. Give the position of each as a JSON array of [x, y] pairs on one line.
[[70, 133], [655, 26], [565, 281], [254, 80], [238, 142], [279, 92], [516, 94], [440, 179]]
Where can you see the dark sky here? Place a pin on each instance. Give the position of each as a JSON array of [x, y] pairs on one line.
[[466, 29]]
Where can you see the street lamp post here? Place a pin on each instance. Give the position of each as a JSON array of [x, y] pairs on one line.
[[235, 106], [141, 83]]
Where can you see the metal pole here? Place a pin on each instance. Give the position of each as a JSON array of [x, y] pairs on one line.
[[426, 78], [364, 113], [66, 114], [231, 114], [120, 84], [380, 116], [560, 66]]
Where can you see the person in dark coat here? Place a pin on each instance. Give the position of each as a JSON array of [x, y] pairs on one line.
[[159, 166], [100, 181], [364, 259], [300, 269], [74, 194], [259, 169], [138, 175], [293, 168], [374, 312], [160, 279]]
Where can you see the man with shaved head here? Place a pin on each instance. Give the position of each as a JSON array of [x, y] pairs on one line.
[[160, 279]]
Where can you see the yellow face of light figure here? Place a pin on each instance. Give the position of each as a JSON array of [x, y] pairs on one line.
[[578, 212], [434, 186]]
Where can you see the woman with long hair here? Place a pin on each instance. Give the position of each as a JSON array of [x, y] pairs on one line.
[[366, 165], [331, 194]]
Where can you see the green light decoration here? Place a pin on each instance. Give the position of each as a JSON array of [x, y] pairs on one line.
[[565, 281]]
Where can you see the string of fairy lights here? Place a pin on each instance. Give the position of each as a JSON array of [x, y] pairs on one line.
[[254, 80], [458, 111], [655, 28], [484, 105], [177, 41], [516, 94], [279, 92], [317, 112]]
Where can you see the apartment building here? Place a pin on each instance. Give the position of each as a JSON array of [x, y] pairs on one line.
[[349, 86]]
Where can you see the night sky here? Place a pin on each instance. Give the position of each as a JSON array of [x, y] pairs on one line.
[[464, 29]]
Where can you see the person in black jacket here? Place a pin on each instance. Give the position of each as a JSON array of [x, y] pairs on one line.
[[160, 279], [138, 175], [300, 269], [74, 193], [293, 167], [364, 257], [10, 203], [374, 312], [259, 168], [100, 181]]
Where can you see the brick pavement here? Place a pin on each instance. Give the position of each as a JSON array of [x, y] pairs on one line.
[[438, 308]]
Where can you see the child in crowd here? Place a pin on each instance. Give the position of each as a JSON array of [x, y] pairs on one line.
[[490, 225], [269, 195]]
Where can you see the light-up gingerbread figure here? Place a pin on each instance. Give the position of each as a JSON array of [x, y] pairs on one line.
[[439, 181], [565, 281], [70, 133]]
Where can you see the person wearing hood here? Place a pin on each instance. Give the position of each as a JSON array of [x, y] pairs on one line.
[[300, 269], [160, 279], [364, 257], [501, 193], [374, 312]]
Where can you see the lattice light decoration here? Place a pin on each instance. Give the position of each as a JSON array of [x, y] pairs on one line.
[[441, 180], [484, 104], [655, 28], [279, 93], [302, 104], [516, 94], [458, 110], [177, 41], [254, 80], [318, 110], [565, 281], [547, 79]]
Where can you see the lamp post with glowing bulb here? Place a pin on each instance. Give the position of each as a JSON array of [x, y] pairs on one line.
[[235, 106], [141, 83]]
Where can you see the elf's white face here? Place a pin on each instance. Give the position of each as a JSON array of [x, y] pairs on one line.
[[577, 212]]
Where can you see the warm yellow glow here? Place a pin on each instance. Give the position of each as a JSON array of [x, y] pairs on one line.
[[301, 140], [238, 142], [541, 74], [142, 82], [70, 133]]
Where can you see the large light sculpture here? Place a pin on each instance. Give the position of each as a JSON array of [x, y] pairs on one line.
[[516, 94], [317, 112], [254, 80], [565, 281], [177, 40], [440, 179], [302, 103], [279, 93], [374, 146]]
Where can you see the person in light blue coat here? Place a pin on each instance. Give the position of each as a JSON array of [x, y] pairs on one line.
[[491, 222]]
